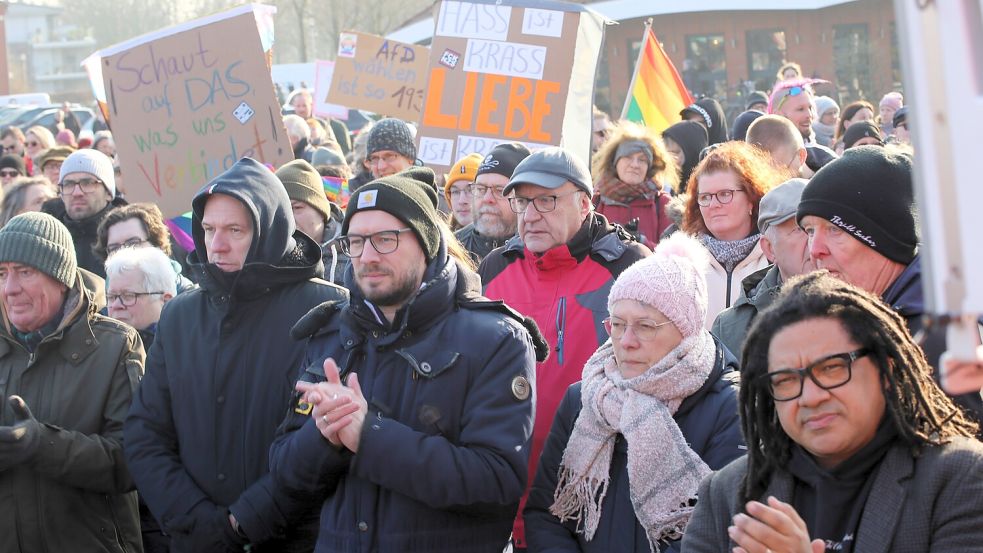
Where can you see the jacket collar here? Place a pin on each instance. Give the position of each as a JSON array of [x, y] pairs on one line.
[[596, 236], [905, 295]]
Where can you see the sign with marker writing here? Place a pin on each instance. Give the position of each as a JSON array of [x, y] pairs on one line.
[[509, 71], [380, 75], [187, 102], [322, 108]]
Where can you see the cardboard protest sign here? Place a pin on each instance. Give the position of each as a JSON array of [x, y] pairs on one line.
[[186, 103], [322, 83], [509, 71], [379, 75]]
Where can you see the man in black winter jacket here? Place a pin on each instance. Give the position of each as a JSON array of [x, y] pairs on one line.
[[221, 373]]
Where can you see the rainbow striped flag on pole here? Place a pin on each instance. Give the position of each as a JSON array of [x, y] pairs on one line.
[[657, 93]]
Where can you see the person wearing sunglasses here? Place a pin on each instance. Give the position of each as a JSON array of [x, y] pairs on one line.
[[856, 447], [558, 272], [416, 396], [36, 140], [11, 167], [722, 213], [86, 194], [655, 413], [795, 101]]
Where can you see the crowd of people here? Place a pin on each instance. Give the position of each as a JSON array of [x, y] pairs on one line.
[[699, 340]]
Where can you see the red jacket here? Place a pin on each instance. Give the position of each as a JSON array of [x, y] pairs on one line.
[[565, 290], [650, 212]]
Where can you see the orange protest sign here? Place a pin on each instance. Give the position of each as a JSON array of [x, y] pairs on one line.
[[186, 103], [508, 72], [379, 75]]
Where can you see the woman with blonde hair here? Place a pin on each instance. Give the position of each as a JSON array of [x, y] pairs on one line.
[[722, 213], [634, 177], [25, 194], [37, 139]]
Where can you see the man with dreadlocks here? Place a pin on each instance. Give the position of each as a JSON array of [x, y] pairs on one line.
[[857, 450]]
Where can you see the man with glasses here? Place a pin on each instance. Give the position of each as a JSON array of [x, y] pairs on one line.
[[852, 446], [558, 271], [494, 220], [220, 373], [86, 194], [390, 148], [861, 221], [68, 377], [51, 161], [794, 100], [413, 415], [11, 167], [780, 138], [457, 190]]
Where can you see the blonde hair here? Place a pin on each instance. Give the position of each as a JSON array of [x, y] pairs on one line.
[[662, 170]]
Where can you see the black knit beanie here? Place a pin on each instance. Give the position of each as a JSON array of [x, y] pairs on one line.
[[868, 193], [503, 159], [861, 129], [409, 196], [13, 161]]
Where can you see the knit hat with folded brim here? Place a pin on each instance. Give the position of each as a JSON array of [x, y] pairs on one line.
[[40, 241]]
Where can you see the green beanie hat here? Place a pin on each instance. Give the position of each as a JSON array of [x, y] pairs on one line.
[[303, 184], [40, 241], [409, 196]]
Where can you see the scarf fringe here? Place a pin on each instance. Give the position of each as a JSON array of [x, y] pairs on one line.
[[579, 501]]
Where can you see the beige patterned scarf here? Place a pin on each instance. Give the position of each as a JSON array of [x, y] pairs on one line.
[[663, 472]]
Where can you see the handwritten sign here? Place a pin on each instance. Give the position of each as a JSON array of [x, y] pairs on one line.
[[517, 70], [380, 75], [187, 103]]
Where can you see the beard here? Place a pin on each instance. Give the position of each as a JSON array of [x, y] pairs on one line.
[[489, 222], [395, 295]]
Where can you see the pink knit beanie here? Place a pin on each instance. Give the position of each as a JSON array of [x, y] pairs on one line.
[[672, 280]]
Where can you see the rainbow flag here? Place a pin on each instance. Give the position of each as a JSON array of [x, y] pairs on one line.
[[336, 189], [657, 93]]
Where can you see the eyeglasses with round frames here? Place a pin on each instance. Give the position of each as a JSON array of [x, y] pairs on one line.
[[543, 204], [643, 329], [384, 241], [723, 197], [88, 185], [828, 373], [129, 299]]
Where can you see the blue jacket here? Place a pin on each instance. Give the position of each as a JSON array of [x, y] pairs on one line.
[[442, 458], [220, 375], [709, 422]]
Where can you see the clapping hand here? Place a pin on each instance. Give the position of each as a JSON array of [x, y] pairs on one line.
[[772, 528], [339, 410]]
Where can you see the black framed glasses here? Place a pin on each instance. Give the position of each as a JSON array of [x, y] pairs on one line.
[[384, 241], [543, 204], [829, 372], [129, 299], [643, 329], [479, 190], [723, 197], [87, 184], [130, 243]]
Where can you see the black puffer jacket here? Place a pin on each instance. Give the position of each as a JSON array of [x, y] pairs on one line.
[[220, 375]]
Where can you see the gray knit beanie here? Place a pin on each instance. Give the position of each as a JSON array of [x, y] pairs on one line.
[[393, 135], [40, 241], [92, 162]]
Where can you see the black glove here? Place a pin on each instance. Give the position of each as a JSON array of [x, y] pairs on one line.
[[19, 443]]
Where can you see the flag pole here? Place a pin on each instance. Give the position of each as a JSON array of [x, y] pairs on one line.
[[638, 63]]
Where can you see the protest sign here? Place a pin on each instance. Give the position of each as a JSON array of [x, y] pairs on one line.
[[508, 71], [322, 83], [379, 75], [185, 103]]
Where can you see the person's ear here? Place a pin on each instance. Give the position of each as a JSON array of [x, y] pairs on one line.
[[767, 248]]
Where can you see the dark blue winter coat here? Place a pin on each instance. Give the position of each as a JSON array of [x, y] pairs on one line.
[[220, 375], [442, 458], [708, 420]]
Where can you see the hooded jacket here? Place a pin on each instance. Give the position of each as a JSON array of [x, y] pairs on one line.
[[442, 456], [711, 426], [76, 494], [565, 290], [692, 138], [713, 116], [84, 233], [220, 376]]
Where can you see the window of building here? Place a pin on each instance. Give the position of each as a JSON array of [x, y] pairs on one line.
[[705, 66], [851, 57], [765, 54]]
